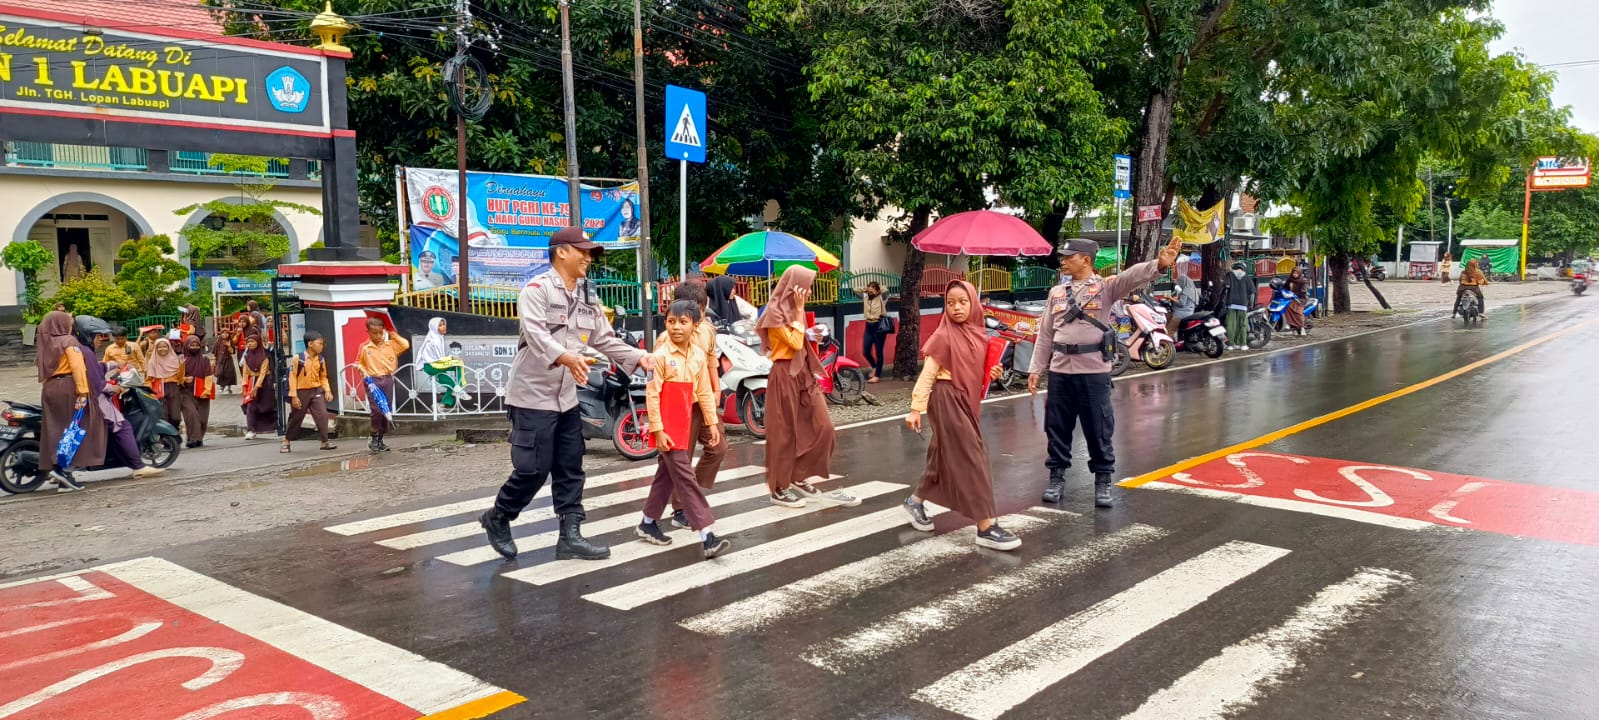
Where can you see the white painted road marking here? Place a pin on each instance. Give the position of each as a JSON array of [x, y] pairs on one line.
[[1234, 680], [442, 511], [544, 540], [843, 583], [1314, 508], [993, 685], [629, 551], [470, 529], [658, 587], [840, 655]]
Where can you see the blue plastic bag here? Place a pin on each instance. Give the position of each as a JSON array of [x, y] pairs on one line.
[[71, 440]]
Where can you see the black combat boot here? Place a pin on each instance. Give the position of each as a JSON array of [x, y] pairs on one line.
[[1102, 497], [573, 546], [1057, 485], [498, 527]]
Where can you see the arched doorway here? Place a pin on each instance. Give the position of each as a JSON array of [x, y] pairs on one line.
[[84, 230]]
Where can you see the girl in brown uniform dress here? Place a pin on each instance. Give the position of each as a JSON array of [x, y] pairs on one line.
[[227, 372], [193, 394], [65, 379], [799, 432], [260, 396], [950, 388]]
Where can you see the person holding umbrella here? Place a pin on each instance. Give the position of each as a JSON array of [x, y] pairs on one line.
[[379, 358], [1077, 344]]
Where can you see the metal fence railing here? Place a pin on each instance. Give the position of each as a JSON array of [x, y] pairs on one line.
[[78, 157], [481, 392], [497, 301], [1033, 278], [989, 279]]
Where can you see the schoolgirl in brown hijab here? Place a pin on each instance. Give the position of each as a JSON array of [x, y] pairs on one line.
[[950, 389], [799, 432]]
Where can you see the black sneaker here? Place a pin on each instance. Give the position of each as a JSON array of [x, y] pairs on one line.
[[788, 499], [713, 545], [375, 445], [998, 538], [680, 519], [918, 513], [650, 532], [65, 482]]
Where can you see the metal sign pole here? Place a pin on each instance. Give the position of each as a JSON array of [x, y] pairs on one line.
[[682, 222], [1118, 234]]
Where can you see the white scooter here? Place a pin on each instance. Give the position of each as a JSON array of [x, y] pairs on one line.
[[743, 371], [1149, 342]]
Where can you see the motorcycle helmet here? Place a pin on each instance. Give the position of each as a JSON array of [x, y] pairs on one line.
[[1277, 283], [86, 327]]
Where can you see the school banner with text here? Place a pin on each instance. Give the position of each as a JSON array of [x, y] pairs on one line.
[[510, 219]]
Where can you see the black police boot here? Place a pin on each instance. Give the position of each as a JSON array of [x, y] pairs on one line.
[[1102, 497], [498, 527], [573, 546], [1057, 486]]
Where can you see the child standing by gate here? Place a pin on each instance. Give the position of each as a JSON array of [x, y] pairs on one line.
[[679, 388]]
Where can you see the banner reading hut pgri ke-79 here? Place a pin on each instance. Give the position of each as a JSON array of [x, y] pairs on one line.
[[510, 219]]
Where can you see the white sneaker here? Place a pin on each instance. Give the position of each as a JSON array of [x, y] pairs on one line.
[[148, 472], [788, 498], [836, 497], [249, 436]]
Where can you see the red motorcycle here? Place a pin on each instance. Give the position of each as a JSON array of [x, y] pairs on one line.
[[843, 381]]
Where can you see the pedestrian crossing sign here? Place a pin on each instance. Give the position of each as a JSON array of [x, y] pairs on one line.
[[685, 124]]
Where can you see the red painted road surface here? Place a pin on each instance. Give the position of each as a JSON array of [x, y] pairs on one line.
[[82, 646], [1397, 496]]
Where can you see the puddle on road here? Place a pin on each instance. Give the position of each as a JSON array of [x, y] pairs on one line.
[[329, 468]]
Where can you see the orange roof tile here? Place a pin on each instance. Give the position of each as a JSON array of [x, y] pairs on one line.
[[182, 15]]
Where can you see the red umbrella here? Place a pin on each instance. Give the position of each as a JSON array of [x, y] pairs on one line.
[[981, 232]]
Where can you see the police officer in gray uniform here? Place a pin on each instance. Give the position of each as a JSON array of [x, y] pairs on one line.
[[1072, 346], [563, 325]]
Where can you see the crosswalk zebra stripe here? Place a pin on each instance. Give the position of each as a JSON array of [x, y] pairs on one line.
[[658, 587], [1233, 680], [842, 654], [395, 520], [484, 554], [547, 573], [469, 529], [836, 586], [988, 688]]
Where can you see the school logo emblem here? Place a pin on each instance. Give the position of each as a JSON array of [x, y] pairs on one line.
[[438, 205], [288, 90]]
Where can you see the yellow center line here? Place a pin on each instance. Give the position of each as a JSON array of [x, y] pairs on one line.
[[1274, 436], [482, 707]]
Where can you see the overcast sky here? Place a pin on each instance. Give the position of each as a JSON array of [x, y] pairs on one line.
[[1558, 31]]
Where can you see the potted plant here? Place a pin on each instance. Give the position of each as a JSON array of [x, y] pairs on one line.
[[29, 257]]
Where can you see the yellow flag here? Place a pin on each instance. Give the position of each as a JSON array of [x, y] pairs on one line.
[[1200, 227]]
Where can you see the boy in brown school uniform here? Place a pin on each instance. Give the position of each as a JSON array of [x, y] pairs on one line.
[[678, 363], [379, 358]]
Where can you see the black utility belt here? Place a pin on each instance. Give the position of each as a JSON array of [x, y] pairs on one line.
[[1078, 349]]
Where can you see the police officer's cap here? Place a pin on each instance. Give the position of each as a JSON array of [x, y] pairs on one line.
[[575, 237], [1079, 246]]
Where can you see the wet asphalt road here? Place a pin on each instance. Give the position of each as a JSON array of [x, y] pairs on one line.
[[1173, 605]]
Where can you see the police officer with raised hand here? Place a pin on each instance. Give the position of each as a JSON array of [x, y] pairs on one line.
[[562, 325], [1075, 345]]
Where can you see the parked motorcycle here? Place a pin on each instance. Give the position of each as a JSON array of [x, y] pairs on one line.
[[1281, 298], [1259, 329], [744, 371], [159, 442], [612, 404], [1358, 270], [843, 381], [1200, 332], [1018, 356], [1148, 342]]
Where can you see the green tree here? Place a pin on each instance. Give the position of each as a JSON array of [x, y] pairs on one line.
[[92, 294], [934, 103], [29, 257], [156, 282], [250, 235]]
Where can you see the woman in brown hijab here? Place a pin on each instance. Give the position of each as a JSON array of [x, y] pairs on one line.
[[1295, 314], [951, 389], [260, 399], [193, 391], [799, 433], [65, 380]]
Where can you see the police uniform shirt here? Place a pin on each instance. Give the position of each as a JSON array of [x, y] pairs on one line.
[[556, 320], [1095, 295]]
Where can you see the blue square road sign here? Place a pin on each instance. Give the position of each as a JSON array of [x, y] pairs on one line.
[[685, 124]]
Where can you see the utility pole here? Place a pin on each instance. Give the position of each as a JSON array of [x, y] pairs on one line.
[[646, 260], [1432, 225], [463, 18], [574, 189]]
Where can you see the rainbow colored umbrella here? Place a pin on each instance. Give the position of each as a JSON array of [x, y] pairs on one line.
[[768, 253]]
